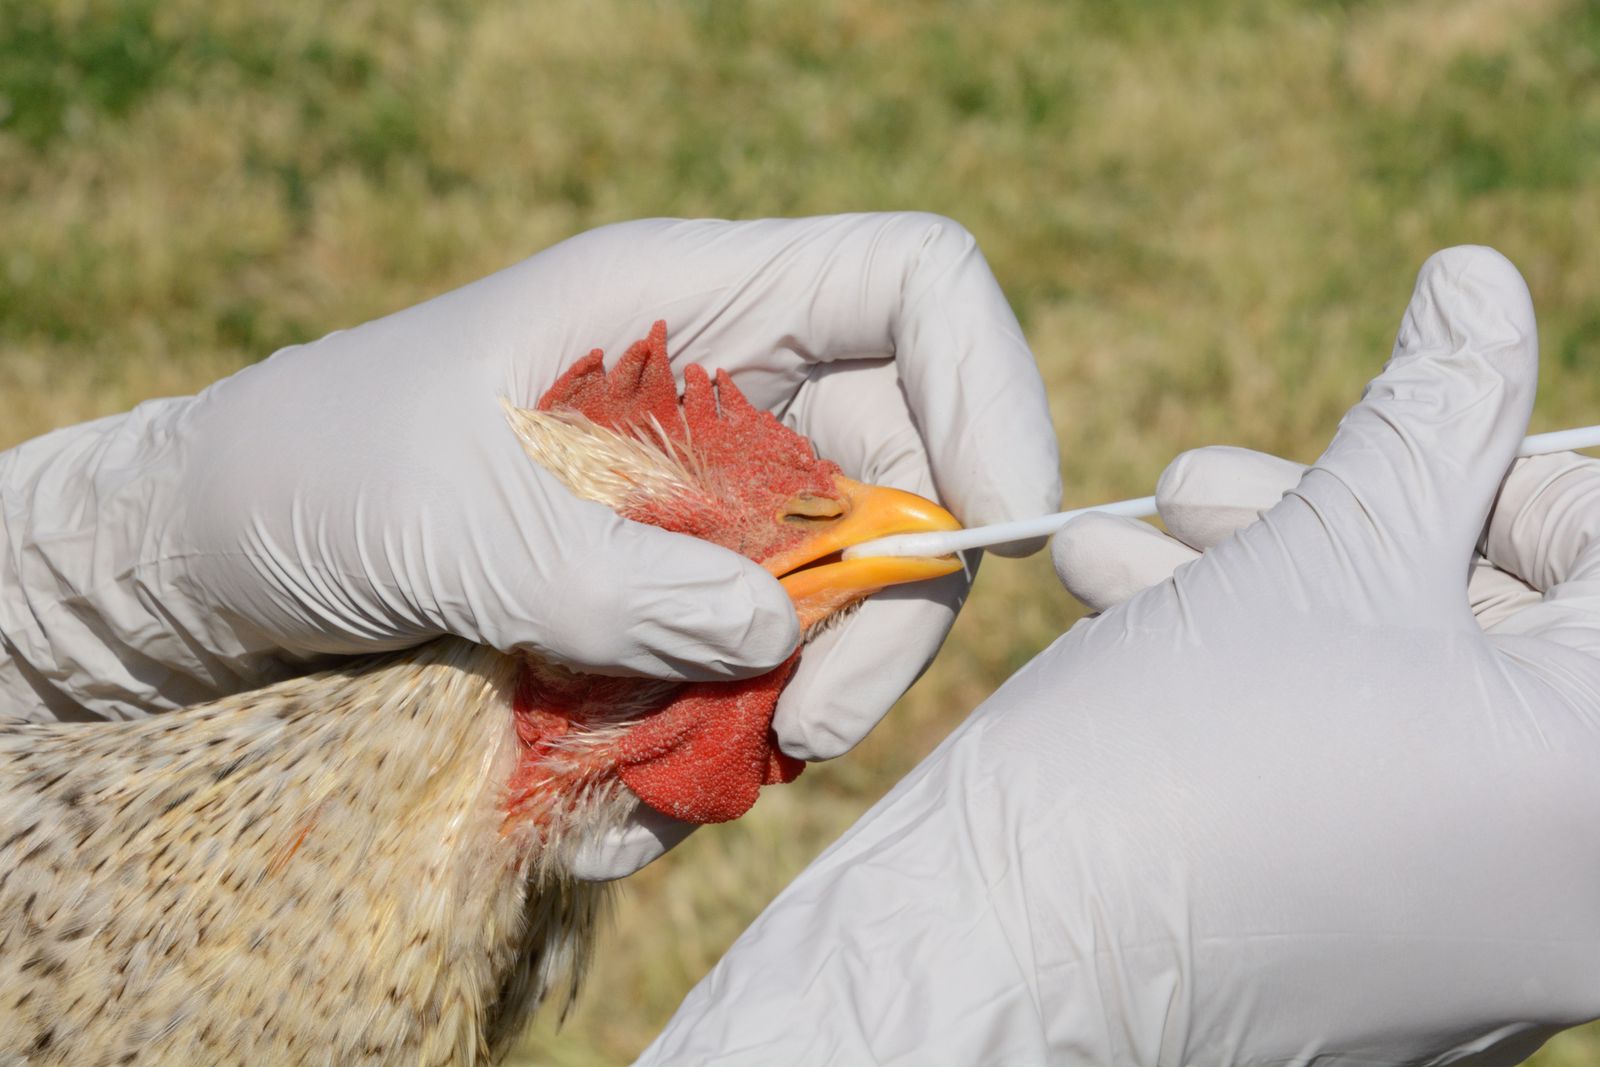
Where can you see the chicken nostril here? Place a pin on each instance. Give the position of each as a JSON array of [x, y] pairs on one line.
[[809, 507]]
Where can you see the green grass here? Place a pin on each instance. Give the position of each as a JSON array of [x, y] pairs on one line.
[[1207, 215]]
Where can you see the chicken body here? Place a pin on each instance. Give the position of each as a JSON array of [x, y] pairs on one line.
[[372, 865], [318, 872]]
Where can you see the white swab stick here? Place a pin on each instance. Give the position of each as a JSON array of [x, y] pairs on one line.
[[1542, 444], [1002, 533]]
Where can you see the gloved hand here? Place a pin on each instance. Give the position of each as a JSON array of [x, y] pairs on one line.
[[363, 493], [1292, 805]]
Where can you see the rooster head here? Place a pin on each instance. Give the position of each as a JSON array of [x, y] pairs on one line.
[[710, 464]]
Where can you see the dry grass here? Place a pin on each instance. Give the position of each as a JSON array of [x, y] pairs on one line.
[[1207, 215]]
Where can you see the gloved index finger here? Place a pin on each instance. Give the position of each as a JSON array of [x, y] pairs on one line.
[[765, 300], [970, 379]]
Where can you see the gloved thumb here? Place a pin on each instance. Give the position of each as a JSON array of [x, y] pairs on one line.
[[1406, 485], [644, 601], [569, 579]]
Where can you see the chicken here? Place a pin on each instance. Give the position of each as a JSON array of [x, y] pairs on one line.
[[372, 865]]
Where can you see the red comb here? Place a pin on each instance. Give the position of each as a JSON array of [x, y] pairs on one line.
[[726, 432], [638, 389]]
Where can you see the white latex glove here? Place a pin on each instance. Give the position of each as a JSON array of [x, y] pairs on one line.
[[362, 492], [1290, 806]]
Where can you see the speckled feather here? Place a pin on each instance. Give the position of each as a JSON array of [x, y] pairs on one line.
[[371, 865], [219, 885]]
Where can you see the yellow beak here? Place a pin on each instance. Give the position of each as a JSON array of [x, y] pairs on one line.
[[870, 511]]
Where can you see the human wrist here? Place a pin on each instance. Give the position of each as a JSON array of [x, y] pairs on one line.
[[84, 626]]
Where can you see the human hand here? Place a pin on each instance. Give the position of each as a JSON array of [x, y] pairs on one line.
[[1293, 803], [362, 492]]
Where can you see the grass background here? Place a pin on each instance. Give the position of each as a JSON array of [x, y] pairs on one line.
[[1206, 214]]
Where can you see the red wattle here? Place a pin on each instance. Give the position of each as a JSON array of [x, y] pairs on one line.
[[705, 756]]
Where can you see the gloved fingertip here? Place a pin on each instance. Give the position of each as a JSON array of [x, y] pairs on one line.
[[1081, 554], [1207, 494], [646, 602], [814, 742], [851, 675], [1487, 265], [1104, 560], [1073, 544], [645, 838], [1468, 291], [1175, 479], [730, 623], [819, 719], [1023, 495]]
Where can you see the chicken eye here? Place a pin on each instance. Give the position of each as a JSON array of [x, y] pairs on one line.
[[808, 507]]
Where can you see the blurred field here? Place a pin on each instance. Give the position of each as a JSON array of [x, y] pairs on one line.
[[1207, 215]]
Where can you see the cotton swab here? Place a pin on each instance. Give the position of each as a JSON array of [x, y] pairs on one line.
[[942, 544]]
